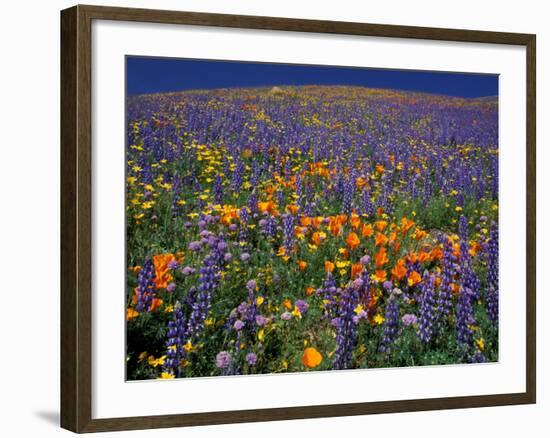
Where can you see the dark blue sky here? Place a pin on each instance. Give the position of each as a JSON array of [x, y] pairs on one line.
[[154, 75]]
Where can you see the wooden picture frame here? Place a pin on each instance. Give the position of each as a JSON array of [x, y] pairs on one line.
[[76, 217]]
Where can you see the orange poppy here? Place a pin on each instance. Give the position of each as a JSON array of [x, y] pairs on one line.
[[355, 221], [399, 270], [455, 288], [381, 239], [302, 265], [305, 221], [267, 206], [437, 253], [423, 256], [356, 269], [335, 227], [379, 276], [162, 274], [366, 230], [131, 314], [309, 291], [380, 225], [329, 266], [155, 304], [406, 225], [317, 238], [293, 208], [360, 182], [381, 258], [311, 358], [352, 241], [474, 249], [414, 278], [419, 234], [317, 221]]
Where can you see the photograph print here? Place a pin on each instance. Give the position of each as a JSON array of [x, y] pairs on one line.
[[289, 218]]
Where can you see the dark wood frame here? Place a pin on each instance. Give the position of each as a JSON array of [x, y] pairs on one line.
[[76, 236]]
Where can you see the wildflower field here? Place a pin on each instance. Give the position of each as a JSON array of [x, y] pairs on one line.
[[291, 229]]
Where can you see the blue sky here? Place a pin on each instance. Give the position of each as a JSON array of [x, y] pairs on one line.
[[155, 75]]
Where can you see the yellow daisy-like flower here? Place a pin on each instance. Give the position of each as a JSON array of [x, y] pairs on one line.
[[379, 319], [166, 375]]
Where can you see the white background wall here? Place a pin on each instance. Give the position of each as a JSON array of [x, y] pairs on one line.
[[29, 214]]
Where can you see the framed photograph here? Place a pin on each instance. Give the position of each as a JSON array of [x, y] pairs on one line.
[[269, 219]]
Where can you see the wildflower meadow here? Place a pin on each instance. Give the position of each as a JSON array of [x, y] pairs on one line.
[[309, 228]]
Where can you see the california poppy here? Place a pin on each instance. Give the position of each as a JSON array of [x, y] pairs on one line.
[[311, 357], [352, 241]]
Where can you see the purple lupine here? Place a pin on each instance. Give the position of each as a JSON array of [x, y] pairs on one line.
[[218, 189], [448, 272], [468, 277], [175, 341], [427, 308], [463, 228], [269, 226], [391, 325], [492, 275], [238, 176], [328, 293], [208, 279], [288, 232], [345, 328], [251, 359], [349, 191], [146, 286], [477, 357], [464, 318]]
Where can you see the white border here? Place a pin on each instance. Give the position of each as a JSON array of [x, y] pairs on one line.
[[113, 397]]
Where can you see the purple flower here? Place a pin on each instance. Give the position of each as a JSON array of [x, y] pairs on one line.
[[388, 285], [171, 287], [227, 256], [409, 319], [251, 285], [427, 308], [364, 260], [222, 246], [243, 308], [251, 359], [172, 264], [223, 359], [238, 325], [346, 333], [358, 283], [261, 320], [391, 325], [492, 275], [286, 316], [146, 286], [194, 246], [245, 256], [302, 306], [188, 270]]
